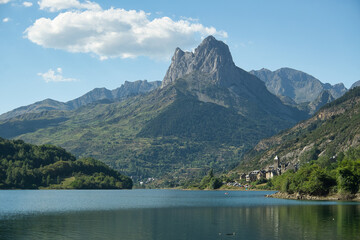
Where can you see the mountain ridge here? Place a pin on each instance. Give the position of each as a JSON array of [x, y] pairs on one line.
[[298, 85], [125, 90]]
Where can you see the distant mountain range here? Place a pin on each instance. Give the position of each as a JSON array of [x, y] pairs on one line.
[[128, 89], [333, 129], [299, 86], [293, 87]]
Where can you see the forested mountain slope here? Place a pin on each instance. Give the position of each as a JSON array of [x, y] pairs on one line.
[[27, 166]]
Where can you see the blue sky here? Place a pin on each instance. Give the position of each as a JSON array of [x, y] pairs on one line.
[[61, 49]]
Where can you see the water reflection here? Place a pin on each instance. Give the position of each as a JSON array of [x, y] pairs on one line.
[[271, 222]]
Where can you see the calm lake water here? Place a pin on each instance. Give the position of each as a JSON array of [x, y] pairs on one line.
[[171, 214]]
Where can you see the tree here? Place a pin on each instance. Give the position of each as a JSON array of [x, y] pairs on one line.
[[210, 181], [348, 181]]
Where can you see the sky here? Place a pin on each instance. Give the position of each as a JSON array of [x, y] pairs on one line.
[[61, 49]]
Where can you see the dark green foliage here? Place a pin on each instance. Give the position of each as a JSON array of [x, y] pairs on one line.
[[261, 181], [28, 166], [348, 180], [342, 176], [348, 172], [210, 181], [97, 181]]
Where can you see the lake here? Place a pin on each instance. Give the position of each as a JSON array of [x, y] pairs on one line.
[[171, 214]]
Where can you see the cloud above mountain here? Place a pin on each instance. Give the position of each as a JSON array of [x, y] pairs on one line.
[[55, 76], [114, 32]]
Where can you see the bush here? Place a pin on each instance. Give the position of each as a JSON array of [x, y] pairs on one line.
[[310, 179], [348, 180], [210, 181]]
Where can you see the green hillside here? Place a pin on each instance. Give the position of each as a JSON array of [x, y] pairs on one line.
[[26, 166], [333, 129]]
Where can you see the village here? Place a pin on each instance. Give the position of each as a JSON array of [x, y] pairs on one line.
[[267, 173]]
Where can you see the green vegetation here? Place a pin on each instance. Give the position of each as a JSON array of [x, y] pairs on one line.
[[26, 166], [333, 129], [341, 176], [210, 181]]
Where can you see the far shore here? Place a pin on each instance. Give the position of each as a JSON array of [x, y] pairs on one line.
[[332, 197]]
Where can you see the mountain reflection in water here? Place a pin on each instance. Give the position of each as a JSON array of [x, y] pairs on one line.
[[304, 220]]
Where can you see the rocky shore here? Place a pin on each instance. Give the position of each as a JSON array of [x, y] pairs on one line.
[[298, 196]]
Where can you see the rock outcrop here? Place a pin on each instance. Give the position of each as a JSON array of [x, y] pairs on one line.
[[299, 86]]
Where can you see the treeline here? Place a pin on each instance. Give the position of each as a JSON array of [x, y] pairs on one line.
[[323, 176], [26, 166]]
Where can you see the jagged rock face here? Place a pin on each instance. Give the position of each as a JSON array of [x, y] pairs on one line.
[[336, 90], [210, 74], [211, 57], [126, 90], [323, 98], [299, 86], [134, 88]]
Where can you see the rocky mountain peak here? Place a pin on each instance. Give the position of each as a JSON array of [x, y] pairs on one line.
[[210, 47], [355, 84], [298, 85], [211, 57]]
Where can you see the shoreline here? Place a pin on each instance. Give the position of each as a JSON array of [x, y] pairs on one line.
[[298, 196]]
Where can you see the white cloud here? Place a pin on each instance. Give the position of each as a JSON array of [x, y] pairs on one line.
[[27, 4], [190, 19], [52, 76], [5, 20], [4, 1], [58, 5], [117, 33]]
